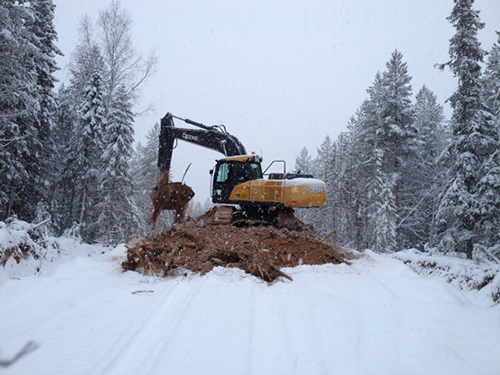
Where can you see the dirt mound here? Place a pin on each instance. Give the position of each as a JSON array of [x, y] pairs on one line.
[[260, 251]]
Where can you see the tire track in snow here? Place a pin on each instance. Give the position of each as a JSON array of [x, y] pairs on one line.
[[299, 312], [139, 342], [149, 342], [251, 330], [389, 318], [170, 330], [122, 343]]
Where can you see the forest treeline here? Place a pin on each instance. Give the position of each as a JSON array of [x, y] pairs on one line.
[[67, 155], [401, 175]]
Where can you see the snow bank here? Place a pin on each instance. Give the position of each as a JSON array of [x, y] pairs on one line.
[[479, 281], [26, 251]]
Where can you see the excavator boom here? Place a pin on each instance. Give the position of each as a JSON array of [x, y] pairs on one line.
[[214, 137]]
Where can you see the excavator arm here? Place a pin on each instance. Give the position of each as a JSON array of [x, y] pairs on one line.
[[214, 137]]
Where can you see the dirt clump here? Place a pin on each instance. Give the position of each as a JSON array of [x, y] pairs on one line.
[[261, 250], [170, 196]]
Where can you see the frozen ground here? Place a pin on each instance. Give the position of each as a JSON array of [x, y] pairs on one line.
[[375, 317]]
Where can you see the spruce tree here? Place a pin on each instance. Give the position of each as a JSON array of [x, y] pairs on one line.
[[363, 155], [63, 203], [43, 28], [117, 216], [303, 162], [428, 172], [397, 138], [84, 160], [491, 81], [459, 211], [324, 170], [19, 102], [489, 184], [27, 65], [347, 188]]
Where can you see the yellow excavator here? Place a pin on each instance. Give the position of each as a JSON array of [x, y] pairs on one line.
[[242, 193]]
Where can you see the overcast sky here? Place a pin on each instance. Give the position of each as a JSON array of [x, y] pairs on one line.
[[281, 75]]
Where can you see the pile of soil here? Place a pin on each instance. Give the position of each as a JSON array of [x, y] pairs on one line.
[[261, 251]]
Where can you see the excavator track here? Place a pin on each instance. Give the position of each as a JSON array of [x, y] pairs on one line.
[[230, 215], [223, 215]]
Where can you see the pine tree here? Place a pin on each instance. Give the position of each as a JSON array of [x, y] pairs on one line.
[[459, 211]]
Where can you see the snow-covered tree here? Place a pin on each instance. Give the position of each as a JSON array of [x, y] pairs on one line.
[[17, 81], [84, 160], [105, 70], [384, 210], [491, 81], [42, 167], [303, 162], [396, 137], [459, 210], [26, 68], [489, 184], [66, 121], [384, 136], [117, 214], [426, 170], [350, 188], [362, 158], [323, 167], [145, 168]]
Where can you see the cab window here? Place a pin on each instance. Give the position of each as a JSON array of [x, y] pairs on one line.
[[223, 173], [255, 171]]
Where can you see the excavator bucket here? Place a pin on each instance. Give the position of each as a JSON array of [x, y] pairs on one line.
[[168, 195]]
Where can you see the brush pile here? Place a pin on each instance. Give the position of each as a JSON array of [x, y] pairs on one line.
[[199, 247]]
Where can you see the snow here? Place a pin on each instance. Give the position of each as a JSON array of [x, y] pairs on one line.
[[375, 316], [309, 182], [43, 256]]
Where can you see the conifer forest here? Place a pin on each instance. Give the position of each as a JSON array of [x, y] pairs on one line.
[[400, 176]]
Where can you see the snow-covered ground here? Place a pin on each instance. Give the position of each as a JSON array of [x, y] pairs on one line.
[[376, 316]]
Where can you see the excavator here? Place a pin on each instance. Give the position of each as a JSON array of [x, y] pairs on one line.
[[242, 193]]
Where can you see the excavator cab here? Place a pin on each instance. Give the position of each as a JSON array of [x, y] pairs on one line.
[[232, 171]]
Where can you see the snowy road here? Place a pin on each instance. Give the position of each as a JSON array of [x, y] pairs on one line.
[[374, 317]]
